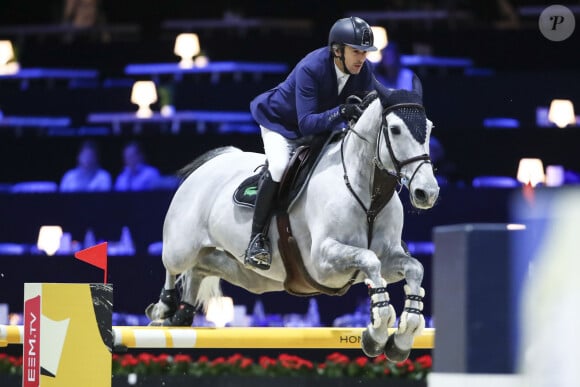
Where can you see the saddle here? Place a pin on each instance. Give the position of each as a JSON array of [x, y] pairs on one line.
[[302, 163]]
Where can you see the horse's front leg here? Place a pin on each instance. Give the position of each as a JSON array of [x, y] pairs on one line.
[[336, 258], [411, 322]]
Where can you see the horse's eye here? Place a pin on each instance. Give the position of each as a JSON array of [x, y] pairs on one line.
[[395, 129]]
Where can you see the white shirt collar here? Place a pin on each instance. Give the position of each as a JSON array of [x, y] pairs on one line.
[[341, 78]]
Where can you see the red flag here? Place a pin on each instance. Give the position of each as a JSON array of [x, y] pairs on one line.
[[96, 256]]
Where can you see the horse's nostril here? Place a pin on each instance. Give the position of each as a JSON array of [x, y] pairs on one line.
[[420, 195]]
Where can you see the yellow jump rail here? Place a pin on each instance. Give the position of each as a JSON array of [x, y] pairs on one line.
[[234, 337]]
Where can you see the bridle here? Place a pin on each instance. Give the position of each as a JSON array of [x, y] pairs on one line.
[[384, 181], [424, 158]]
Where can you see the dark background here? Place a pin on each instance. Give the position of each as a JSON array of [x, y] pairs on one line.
[[517, 70]]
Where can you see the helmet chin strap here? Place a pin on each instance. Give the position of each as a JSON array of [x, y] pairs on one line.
[[341, 57]]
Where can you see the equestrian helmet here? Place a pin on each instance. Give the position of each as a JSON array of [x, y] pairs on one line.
[[352, 31]]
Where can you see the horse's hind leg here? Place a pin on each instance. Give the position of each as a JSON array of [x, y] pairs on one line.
[[169, 310], [184, 311], [411, 321], [168, 300]]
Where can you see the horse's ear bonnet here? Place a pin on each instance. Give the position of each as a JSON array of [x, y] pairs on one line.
[[413, 116]]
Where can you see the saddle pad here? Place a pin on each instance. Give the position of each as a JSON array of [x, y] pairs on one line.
[[247, 192]]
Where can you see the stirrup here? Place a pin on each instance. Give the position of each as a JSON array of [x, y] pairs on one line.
[[258, 253]]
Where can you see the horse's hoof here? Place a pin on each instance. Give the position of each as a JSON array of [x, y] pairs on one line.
[[182, 318], [369, 346], [158, 311], [165, 307], [149, 311], [170, 297], [394, 353], [157, 323]]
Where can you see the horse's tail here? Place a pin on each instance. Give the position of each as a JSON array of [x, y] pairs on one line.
[[208, 289], [184, 172]]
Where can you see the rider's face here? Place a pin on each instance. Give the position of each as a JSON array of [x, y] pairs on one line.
[[353, 60]]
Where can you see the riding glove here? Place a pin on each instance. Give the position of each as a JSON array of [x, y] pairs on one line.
[[350, 111], [353, 109]]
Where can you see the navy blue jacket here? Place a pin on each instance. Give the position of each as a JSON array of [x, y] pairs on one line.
[[307, 101]]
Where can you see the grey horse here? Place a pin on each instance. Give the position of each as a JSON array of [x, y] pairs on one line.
[[205, 234]]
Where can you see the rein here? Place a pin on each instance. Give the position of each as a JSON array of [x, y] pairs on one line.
[[384, 186]]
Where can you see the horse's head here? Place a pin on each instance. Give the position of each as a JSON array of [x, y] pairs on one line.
[[403, 145]]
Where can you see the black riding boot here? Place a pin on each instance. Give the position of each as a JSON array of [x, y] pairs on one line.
[[258, 253]]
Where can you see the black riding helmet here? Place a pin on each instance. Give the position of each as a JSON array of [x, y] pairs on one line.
[[352, 31]]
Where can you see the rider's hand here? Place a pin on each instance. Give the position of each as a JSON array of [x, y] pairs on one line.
[[353, 109], [350, 111]]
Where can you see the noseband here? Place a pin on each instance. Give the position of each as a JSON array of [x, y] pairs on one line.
[[424, 158]]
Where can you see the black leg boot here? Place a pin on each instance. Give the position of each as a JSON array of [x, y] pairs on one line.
[[258, 253]]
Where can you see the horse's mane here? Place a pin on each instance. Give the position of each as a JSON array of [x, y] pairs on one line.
[[367, 118], [184, 172]]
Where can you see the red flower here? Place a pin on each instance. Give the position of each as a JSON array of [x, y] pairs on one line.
[[266, 362], [218, 361], [245, 363], [145, 358], [182, 358], [308, 364], [361, 361], [338, 358], [202, 359], [425, 361], [380, 359], [406, 364], [294, 362], [162, 359], [235, 358], [289, 361], [129, 361]]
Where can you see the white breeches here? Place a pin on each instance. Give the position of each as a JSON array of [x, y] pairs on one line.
[[277, 149]]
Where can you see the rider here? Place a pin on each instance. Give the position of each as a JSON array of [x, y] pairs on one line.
[[312, 99]]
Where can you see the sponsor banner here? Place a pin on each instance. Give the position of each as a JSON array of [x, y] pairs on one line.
[[68, 335], [31, 347]]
